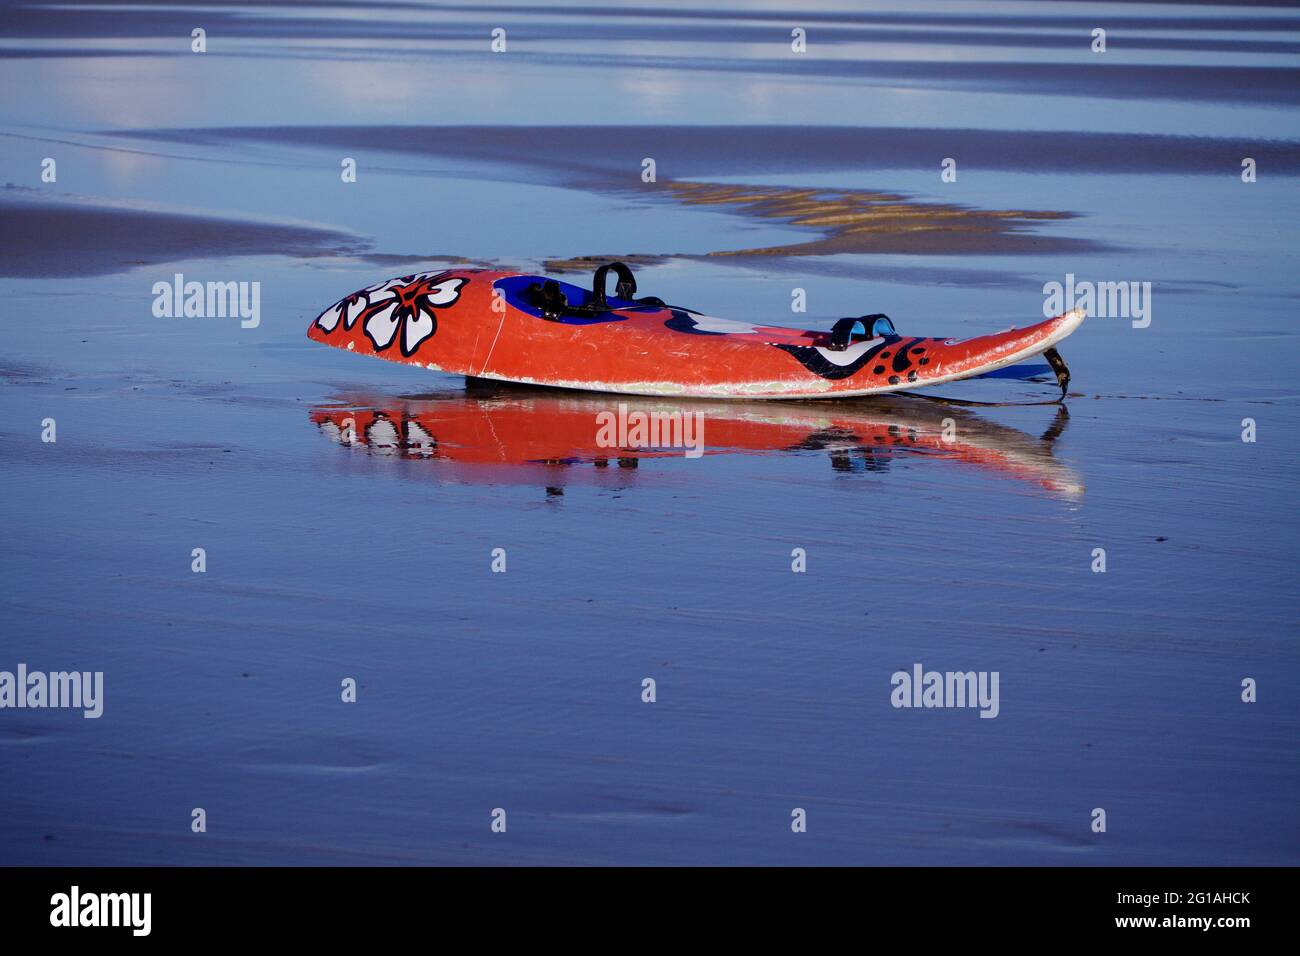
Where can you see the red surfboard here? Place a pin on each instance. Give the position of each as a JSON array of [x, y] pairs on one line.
[[538, 331]]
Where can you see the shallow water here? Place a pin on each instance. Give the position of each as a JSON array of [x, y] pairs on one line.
[[368, 555]]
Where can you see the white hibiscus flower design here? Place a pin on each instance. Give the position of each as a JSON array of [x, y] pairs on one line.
[[406, 305]]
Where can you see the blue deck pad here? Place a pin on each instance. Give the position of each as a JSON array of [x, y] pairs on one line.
[[516, 289]]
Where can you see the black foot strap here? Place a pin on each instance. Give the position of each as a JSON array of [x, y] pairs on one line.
[[862, 326], [625, 289], [550, 298]]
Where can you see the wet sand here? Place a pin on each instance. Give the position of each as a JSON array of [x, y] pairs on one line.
[[565, 151], [55, 238], [726, 41], [349, 509]]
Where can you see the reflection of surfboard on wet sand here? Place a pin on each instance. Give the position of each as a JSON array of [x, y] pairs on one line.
[[500, 433], [533, 330]]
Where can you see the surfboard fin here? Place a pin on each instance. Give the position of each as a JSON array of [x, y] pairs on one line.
[[1060, 368]]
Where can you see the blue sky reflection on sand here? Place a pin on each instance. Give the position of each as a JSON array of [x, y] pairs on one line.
[[330, 559]]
